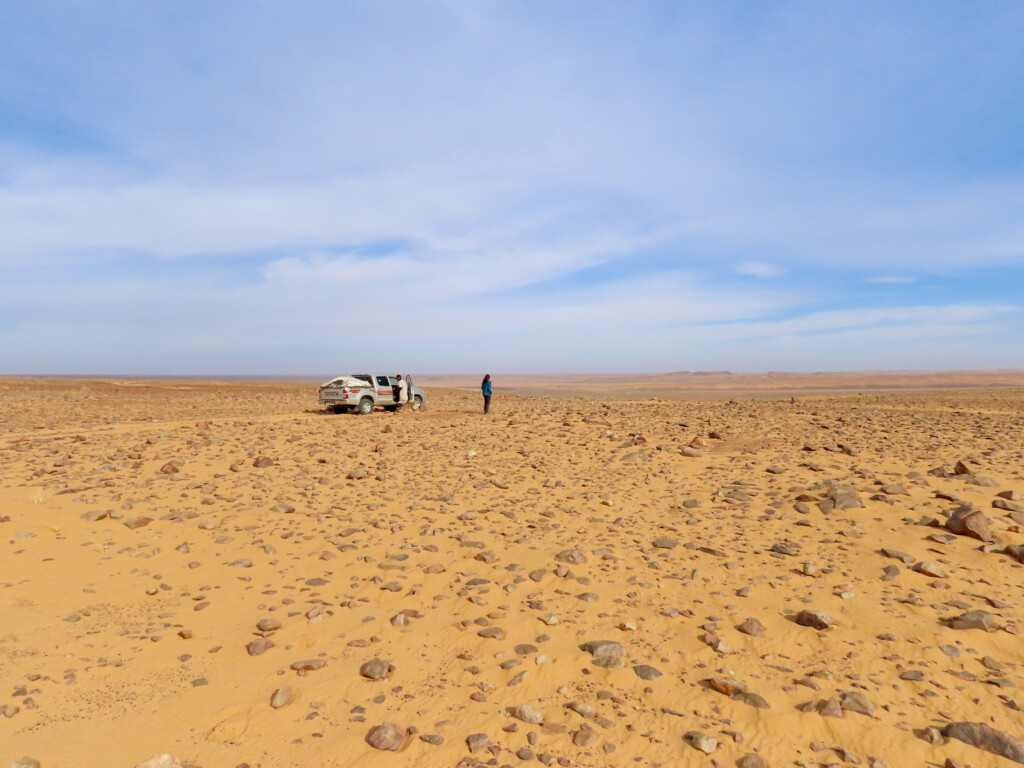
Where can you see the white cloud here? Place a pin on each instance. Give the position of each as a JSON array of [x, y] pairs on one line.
[[759, 269], [892, 279]]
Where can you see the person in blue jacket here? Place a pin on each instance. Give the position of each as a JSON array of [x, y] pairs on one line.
[[485, 385]]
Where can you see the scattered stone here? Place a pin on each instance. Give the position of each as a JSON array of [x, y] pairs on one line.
[[820, 620], [386, 736], [477, 741], [974, 620], [601, 649], [646, 672], [281, 697], [929, 568], [701, 742], [376, 669], [752, 627], [855, 701], [966, 521], [987, 738], [526, 713]]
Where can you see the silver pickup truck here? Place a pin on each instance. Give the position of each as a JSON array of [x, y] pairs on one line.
[[362, 392]]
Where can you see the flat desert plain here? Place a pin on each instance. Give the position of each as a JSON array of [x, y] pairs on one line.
[[223, 574]]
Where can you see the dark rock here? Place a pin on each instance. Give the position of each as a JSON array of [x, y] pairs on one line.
[[818, 619], [987, 738], [646, 672], [966, 521]]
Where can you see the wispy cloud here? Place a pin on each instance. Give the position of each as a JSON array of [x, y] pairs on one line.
[[892, 279]]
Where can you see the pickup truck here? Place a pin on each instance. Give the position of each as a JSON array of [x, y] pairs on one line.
[[362, 392]]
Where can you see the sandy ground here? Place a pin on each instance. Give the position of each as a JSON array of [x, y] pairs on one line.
[[177, 553]]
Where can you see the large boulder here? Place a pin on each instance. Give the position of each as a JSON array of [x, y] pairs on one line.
[[967, 521]]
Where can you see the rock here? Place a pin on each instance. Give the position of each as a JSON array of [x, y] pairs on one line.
[[987, 738], [840, 497], [25, 762], [281, 697], [962, 469], [855, 701], [663, 542], [903, 557], [268, 625], [751, 699], [571, 556], [752, 627], [966, 521], [831, 708], [751, 761], [159, 761], [1007, 506], [584, 737], [724, 685], [820, 620], [929, 568], [477, 741], [138, 522], [701, 742], [974, 620], [601, 649], [376, 669], [582, 709], [646, 672], [262, 461], [168, 469], [494, 633], [307, 665], [259, 646], [526, 713], [386, 736]]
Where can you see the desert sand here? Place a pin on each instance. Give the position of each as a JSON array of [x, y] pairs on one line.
[[223, 574]]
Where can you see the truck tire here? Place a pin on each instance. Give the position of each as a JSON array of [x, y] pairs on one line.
[[365, 406], [419, 401]]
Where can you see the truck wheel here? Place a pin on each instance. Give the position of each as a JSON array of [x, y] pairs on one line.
[[365, 406], [419, 401]]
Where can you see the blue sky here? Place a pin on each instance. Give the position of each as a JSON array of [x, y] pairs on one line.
[[451, 186]]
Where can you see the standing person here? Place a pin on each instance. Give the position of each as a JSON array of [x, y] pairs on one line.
[[403, 392], [485, 386]]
